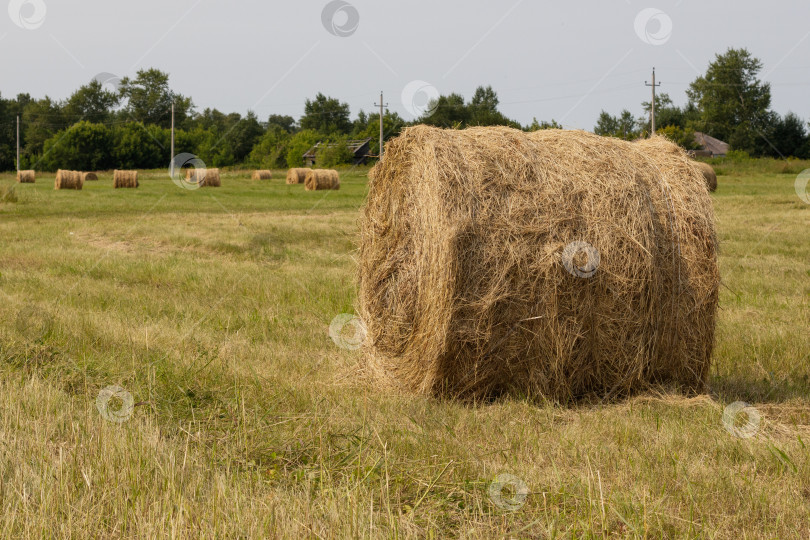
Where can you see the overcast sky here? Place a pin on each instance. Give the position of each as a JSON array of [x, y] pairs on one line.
[[561, 60]]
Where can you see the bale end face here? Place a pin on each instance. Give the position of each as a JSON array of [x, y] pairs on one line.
[[556, 264], [262, 174], [297, 175]]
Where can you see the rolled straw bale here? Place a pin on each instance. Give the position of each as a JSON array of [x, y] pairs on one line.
[[203, 177], [708, 174], [316, 179], [555, 264], [26, 177], [89, 176], [297, 175], [261, 175], [125, 179], [68, 180]]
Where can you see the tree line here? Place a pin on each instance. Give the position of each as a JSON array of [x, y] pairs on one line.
[[128, 126], [729, 102]]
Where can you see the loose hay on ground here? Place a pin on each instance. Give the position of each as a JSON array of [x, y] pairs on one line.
[[317, 179], [462, 284], [125, 179], [68, 180], [297, 175], [26, 177]]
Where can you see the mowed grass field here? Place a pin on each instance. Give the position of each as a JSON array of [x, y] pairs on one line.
[[211, 308]]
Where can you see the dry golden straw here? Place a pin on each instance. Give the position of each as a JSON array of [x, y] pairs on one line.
[[26, 177], [317, 179], [475, 280], [296, 175], [204, 177], [262, 175], [89, 176], [708, 174], [68, 180], [125, 179]]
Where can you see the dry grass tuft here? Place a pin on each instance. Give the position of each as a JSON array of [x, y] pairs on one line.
[[68, 180], [317, 179], [474, 280], [125, 179]]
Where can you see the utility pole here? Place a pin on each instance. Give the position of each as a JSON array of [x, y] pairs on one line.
[[652, 103], [172, 144], [381, 105], [18, 147]]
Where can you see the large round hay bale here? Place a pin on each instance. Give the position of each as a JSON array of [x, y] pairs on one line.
[[125, 179], [708, 174], [68, 180], [89, 176], [203, 177], [554, 264], [317, 179], [297, 175], [26, 177], [262, 174]]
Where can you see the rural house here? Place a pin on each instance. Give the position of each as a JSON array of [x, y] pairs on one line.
[[359, 149]]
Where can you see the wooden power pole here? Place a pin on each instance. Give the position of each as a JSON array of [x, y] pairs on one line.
[[381, 105], [172, 144], [18, 147], [652, 103]]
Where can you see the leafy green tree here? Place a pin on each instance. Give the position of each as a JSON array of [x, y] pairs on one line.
[[287, 123], [136, 146], [91, 102], [392, 125], [326, 115], [447, 112], [82, 147], [149, 98], [39, 118], [243, 135], [683, 137], [537, 126], [622, 126], [299, 144], [733, 103], [333, 152], [270, 151], [783, 136]]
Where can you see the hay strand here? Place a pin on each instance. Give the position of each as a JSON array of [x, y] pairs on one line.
[[26, 177], [297, 175], [68, 180], [125, 179], [317, 179], [555, 264], [262, 174]]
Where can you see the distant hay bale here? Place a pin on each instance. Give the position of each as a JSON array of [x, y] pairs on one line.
[[89, 176], [26, 177], [317, 179], [125, 179], [297, 175], [68, 180], [708, 174], [554, 264], [263, 174], [203, 177]]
